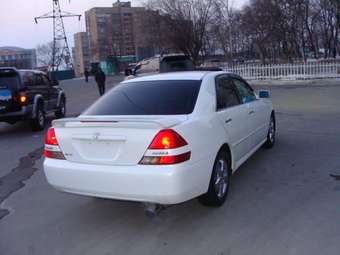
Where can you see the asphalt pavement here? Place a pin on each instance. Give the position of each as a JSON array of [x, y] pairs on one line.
[[282, 201]]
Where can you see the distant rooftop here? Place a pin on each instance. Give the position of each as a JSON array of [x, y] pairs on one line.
[[12, 48], [114, 5], [121, 4]]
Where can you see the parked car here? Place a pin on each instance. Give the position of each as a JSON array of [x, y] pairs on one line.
[[161, 64], [212, 63], [161, 139], [29, 95]]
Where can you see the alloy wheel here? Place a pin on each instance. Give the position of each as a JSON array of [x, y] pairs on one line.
[[221, 178]]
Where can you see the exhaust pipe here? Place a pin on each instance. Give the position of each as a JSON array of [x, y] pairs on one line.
[[152, 210]]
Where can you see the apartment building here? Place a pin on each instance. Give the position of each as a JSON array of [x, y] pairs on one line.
[[123, 32], [18, 57], [81, 53]]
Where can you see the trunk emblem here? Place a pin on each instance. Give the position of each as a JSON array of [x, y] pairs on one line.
[[96, 136]]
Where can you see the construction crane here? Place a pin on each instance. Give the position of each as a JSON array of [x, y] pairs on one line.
[[61, 51]]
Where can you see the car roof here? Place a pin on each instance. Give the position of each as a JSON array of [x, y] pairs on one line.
[[22, 70], [185, 75], [8, 68], [32, 71]]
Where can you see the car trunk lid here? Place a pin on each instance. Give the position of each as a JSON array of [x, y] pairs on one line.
[[110, 140]]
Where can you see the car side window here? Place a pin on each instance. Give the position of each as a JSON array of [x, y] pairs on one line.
[[225, 93], [38, 80], [46, 81], [245, 92], [28, 79]]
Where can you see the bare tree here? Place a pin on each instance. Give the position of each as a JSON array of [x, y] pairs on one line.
[[188, 21], [45, 54], [269, 30], [224, 26], [329, 11]]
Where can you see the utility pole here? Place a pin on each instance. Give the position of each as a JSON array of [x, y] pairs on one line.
[[61, 51]]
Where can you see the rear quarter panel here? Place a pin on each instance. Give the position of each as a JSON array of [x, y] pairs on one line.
[[204, 132], [205, 136]]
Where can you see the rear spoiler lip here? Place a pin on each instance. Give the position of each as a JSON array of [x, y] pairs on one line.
[[162, 120]]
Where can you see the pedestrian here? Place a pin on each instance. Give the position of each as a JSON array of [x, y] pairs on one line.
[[87, 74], [100, 79]]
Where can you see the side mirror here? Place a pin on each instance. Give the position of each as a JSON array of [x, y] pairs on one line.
[[264, 94]]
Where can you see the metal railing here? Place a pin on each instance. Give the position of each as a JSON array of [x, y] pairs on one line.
[[313, 70]]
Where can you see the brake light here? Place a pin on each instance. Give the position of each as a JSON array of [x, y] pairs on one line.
[[52, 149], [167, 148], [167, 139], [51, 138]]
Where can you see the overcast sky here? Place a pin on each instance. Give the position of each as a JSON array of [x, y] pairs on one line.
[[17, 27]]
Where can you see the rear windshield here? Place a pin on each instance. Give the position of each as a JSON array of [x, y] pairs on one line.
[[178, 63], [148, 98], [8, 79]]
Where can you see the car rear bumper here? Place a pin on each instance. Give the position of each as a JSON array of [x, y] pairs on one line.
[[25, 112], [164, 185]]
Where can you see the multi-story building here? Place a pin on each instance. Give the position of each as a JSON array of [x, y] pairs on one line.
[[18, 57], [151, 34], [81, 53], [123, 31]]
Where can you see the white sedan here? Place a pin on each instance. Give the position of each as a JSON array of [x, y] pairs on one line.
[[161, 139]]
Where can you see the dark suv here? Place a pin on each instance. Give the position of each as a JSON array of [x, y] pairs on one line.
[[29, 95]]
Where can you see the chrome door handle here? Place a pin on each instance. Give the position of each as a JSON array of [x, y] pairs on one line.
[[228, 121], [251, 112]]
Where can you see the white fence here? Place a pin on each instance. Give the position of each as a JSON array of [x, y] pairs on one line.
[[287, 71]]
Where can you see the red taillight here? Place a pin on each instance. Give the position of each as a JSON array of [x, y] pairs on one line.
[[167, 139], [51, 138], [167, 148], [52, 149]]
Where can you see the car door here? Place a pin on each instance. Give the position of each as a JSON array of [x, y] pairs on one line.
[[255, 115], [42, 88], [53, 93], [233, 115]]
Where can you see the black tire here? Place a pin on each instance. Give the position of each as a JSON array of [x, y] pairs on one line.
[[38, 123], [61, 112], [219, 182], [271, 136]]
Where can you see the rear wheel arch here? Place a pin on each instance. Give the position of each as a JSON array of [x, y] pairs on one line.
[[39, 118], [225, 148], [61, 107], [38, 101], [270, 138], [274, 117], [212, 197], [61, 97]]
